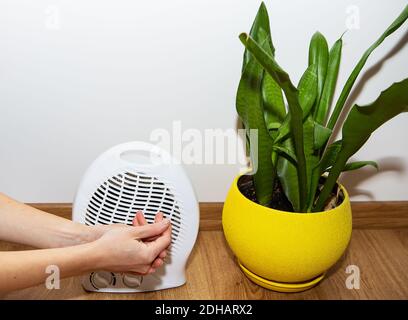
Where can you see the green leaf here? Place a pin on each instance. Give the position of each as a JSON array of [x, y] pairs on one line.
[[249, 108], [329, 157], [283, 130], [287, 152], [356, 71], [361, 122], [307, 88], [296, 114], [287, 173], [312, 158], [321, 135], [259, 31], [272, 125], [322, 109], [359, 164], [319, 55], [273, 104]]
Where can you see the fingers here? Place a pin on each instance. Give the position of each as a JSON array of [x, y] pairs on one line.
[[162, 242], [135, 222], [138, 219], [167, 232], [151, 230], [157, 263], [158, 217], [141, 219], [151, 270]]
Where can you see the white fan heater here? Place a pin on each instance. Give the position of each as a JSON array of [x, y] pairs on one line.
[[137, 176]]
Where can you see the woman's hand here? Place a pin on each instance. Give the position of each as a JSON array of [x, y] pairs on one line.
[[97, 231], [126, 249], [73, 247]]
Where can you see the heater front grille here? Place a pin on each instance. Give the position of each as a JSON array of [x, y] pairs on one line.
[[119, 197]]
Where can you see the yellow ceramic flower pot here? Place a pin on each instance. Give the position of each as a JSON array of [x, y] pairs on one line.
[[285, 251]]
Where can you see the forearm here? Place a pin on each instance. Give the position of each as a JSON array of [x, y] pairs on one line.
[[23, 224], [24, 269]]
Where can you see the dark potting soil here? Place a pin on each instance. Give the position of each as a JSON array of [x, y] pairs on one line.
[[279, 199]]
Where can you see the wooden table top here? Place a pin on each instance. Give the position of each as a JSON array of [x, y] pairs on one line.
[[212, 273]]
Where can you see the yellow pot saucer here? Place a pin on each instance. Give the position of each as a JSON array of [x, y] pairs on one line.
[[281, 286]]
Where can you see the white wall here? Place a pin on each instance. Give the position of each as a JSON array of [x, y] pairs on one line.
[[77, 77]]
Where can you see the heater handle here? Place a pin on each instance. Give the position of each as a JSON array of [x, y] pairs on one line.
[[142, 153]]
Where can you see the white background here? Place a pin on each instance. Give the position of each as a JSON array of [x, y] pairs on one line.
[[77, 77]]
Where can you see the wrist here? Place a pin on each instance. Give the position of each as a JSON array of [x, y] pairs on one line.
[[74, 234], [84, 233], [84, 258], [94, 256]]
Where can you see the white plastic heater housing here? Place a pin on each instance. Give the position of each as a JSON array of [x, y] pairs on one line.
[[137, 176]]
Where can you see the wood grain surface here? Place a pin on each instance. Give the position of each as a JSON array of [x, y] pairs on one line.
[[379, 247], [212, 273]]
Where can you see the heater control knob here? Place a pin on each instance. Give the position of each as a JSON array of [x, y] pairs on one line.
[[132, 281], [101, 279]]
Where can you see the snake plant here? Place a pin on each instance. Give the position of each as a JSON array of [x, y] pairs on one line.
[[295, 124]]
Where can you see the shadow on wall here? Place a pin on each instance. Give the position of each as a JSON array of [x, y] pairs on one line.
[[366, 76], [352, 180]]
